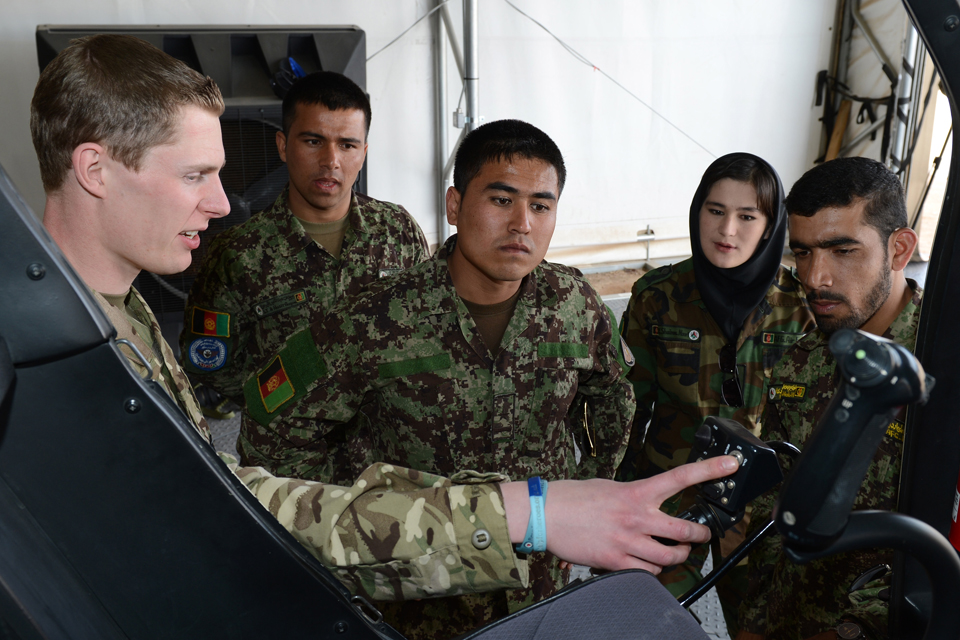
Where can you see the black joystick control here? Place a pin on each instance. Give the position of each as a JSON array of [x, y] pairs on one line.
[[720, 504]]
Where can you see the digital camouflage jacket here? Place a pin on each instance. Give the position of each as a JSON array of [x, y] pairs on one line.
[[438, 400], [265, 279], [788, 600], [394, 534], [677, 375]]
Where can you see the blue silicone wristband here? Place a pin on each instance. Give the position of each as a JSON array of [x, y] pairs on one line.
[[536, 537]]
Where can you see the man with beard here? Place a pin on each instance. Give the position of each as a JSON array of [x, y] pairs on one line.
[[849, 233]]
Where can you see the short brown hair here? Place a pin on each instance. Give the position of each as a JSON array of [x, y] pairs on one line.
[[114, 90]]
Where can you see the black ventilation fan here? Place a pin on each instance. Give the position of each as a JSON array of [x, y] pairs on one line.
[[252, 66]]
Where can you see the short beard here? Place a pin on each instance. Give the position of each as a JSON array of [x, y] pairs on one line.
[[859, 316]]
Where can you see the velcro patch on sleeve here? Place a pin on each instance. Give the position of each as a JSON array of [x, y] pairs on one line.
[[788, 392], [563, 350], [285, 379], [414, 366], [280, 303], [778, 339], [681, 334], [210, 323]]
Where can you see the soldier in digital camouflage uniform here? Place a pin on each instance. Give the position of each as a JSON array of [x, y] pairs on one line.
[[680, 319], [848, 232], [287, 266], [442, 393], [392, 533]]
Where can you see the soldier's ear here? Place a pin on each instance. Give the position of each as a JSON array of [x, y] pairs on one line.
[[282, 145], [453, 206], [901, 246], [87, 162]]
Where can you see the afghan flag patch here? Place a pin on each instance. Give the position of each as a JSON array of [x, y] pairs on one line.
[[210, 323], [275, 386]]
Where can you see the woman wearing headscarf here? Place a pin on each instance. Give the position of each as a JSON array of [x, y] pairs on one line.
[[707, 331]]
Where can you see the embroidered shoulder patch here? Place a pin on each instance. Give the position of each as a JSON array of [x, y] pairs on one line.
[[778, 339], [275, 385], [628, 357], [279, 303], [788, 392], [667, 332], [210, 323], [207, 354]]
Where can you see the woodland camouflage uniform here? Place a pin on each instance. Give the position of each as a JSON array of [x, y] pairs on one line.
[[794, 601], [266, 279], [677, 379], [378, 542], [439, 400]]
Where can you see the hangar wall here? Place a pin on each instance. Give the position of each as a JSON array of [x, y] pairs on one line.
[[734, 75]]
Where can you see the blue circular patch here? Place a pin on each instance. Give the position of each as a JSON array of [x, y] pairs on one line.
[[208, 354]]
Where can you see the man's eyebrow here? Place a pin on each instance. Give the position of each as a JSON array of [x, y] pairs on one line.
[[503, 186], [825, 244], [204, 168], [313, 134], [723, 206]]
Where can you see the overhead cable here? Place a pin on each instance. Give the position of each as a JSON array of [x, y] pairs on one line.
[[419, 20], [579, 56], [573, 52]]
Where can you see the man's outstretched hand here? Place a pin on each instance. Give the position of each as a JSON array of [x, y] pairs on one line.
[[610, 525]]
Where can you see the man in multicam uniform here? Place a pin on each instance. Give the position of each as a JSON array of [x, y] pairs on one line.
[[117, 203], [287, 266], [848, 230], [485, 357]]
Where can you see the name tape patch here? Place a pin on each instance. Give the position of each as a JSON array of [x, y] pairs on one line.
[[780, 339], [280, 303], [895, 430], [683, 334], [788, 392]]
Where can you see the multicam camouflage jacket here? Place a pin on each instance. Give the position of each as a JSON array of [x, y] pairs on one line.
[[265, 279], [788, 600], [677, 375], [438, 399], [394, 534]]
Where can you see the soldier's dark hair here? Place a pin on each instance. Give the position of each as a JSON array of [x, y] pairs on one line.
[[117, 91], [504, 140], [839, 182], [749, 170], [333, 90]]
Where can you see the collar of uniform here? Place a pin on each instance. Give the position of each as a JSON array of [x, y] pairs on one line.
[[288, 225], [684, 287], [902, 330], [786, 290], [535, 290]]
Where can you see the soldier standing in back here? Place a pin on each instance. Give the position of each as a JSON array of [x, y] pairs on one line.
[[287, 266], [484, 357]]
